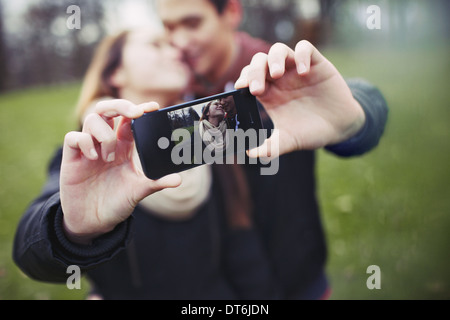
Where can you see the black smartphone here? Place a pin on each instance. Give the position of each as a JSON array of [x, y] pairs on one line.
[[205, 131]]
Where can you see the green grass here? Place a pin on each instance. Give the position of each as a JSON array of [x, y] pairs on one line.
[[32, 125], [389, 208]]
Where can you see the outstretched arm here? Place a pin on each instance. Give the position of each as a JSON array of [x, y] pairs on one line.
[[101, 184], [309, 102], [81, 216]]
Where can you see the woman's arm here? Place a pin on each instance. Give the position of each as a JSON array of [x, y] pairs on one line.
[[41, 249], [83, 214]]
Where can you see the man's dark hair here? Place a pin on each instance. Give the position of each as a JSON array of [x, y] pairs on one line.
[[219, 5]]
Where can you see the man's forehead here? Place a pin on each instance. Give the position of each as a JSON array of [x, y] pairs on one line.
[[177, 10], [145, 35]]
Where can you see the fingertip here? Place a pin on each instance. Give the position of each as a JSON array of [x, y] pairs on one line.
[[176, 179], [256, 87], [240, 83], [111, 157], [150, 106], [171, 181], [93, 154], [302, 69], [253, 153], [307, 54], [276, 70]]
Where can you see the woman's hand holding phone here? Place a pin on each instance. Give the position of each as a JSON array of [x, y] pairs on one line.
[[101, 183]]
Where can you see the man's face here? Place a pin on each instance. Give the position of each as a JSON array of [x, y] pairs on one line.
[[228, 104], [196, 28]]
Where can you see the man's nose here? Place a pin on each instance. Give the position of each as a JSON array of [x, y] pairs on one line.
[[180, 40]]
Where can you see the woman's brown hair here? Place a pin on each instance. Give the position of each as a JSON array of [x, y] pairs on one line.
[[205, 111], [97, 82]]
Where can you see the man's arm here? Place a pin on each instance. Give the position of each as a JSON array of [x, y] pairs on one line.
[[376, 111]]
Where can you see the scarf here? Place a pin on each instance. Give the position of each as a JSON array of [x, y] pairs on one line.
[[214, 137], [179, 203], [182, 202]]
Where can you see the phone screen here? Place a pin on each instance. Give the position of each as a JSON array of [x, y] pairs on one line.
[[203, 131]]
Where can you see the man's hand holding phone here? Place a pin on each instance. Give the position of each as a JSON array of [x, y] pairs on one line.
[[101, 181], [308, 100]]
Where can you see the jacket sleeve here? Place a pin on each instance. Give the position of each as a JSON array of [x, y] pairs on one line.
[[376, 110], [41, 249]]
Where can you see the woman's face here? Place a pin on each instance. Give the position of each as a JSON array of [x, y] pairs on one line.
[[216, 110], [150, 63]]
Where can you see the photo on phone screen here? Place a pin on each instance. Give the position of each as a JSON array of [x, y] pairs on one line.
[[199, 132]]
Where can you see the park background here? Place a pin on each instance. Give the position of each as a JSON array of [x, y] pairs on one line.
[[389, 208]]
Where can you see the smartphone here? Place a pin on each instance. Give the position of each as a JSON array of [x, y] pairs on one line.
[[205, 131]]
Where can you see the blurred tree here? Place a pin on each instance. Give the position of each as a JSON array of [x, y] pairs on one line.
[[86, 39], [42, 49], [3, 54], [327, 19], [193, 115], [270, 20], [40, 62], [344, 22], [54, 52], [289, 21]]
